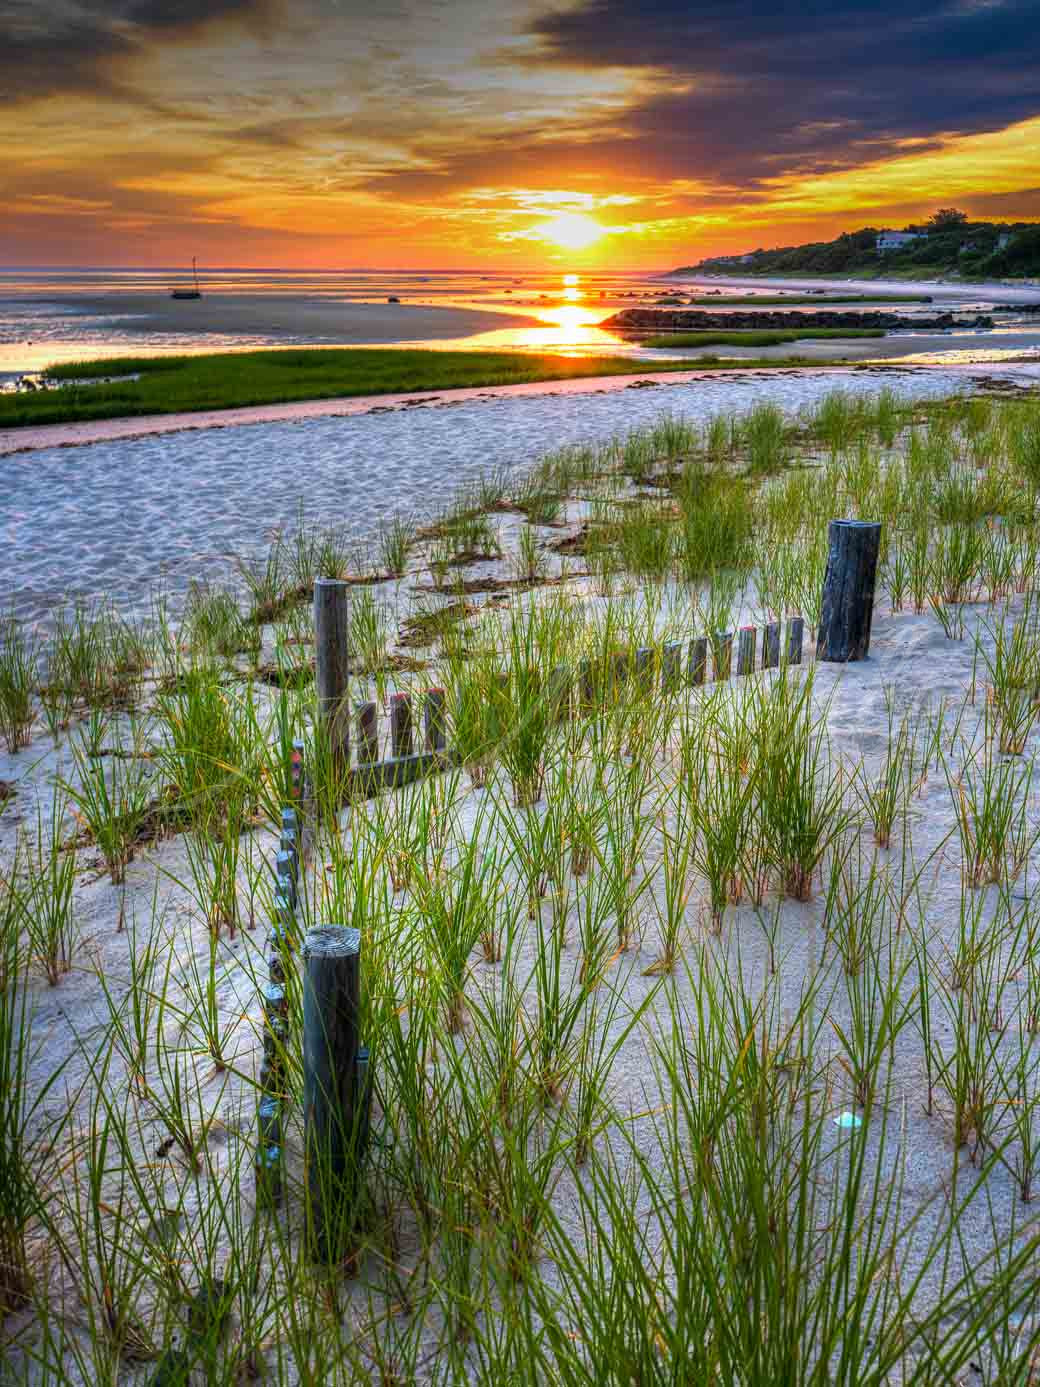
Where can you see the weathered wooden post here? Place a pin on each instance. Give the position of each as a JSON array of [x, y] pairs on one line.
[[296, 774], [771, 645], [698, 659], [671, 665], [400, 725], [268, 1161], [433, 719], [331, 1004], [795, 636], [722, 654], [645, 670], [301, 792], [368, 734], [275, 1020], [848, 590], [290, 839], [332, 642], [746, 647], [285, 875]]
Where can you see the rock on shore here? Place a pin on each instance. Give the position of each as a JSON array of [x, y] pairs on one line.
[[687, 320]]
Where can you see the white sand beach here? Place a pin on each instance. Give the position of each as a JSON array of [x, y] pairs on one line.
[[792, 974]]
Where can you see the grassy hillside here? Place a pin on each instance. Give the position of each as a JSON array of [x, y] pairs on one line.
[[951, 245]]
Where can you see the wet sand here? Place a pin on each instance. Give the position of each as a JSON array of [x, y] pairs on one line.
[[293, 318]]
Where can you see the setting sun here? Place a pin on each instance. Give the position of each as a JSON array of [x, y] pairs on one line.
[[571, 230]]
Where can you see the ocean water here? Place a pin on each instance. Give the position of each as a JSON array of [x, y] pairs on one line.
[[54, 315], [48, 315]]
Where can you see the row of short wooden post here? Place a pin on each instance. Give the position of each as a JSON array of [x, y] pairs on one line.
[[844, 635], [337, 1078], [337, 1073], [282, 942]]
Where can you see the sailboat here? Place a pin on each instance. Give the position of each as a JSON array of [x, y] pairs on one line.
[[195, 293]]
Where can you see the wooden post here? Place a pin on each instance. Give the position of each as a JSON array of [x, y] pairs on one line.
[[275, 1035], [433, 719], [267, 1166], [645, 670], [331, 1003], [290, 841], [671, 664], [400, 725], [698, 659], [722, 654], [302, 795], [368, 734], [795, 633], [286, 877], [746, 648], [848, 590], [332, 642], [296, 774], [771, 645]]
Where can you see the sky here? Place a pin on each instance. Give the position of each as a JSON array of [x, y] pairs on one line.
[[599, 134]]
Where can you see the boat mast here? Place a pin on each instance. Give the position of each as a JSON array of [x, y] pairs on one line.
[[195, 274]]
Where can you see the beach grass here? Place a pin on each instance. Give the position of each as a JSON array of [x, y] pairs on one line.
[[701, 1023], [230, 380], [755, 337]]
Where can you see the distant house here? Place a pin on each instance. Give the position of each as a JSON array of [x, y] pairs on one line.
[[898, 240], [1004, 239]]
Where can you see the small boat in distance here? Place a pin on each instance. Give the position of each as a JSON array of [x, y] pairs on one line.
[[195, 293]]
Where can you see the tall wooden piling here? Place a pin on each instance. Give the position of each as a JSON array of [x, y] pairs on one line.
[[332, 645], [331, 1004], [847, 608]]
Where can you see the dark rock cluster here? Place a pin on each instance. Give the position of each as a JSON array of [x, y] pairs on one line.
[[690, 320]]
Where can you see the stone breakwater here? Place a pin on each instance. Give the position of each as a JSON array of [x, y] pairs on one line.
[[638, 320]]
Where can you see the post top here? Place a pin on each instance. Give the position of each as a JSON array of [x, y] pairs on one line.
[[858, 524], [330, 941], [330, 582]]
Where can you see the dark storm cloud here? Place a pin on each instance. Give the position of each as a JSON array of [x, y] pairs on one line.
[[69, 45], [764, 90]]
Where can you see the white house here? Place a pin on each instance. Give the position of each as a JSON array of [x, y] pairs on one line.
[[899, 240], [1004, 238]]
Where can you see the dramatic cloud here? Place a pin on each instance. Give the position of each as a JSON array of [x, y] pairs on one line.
[[759, 90], [65, 45], [448, 131]]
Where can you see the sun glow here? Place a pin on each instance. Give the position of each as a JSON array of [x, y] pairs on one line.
[[571, 230]]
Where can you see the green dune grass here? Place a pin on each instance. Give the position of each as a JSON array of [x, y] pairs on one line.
[[764, 337]]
